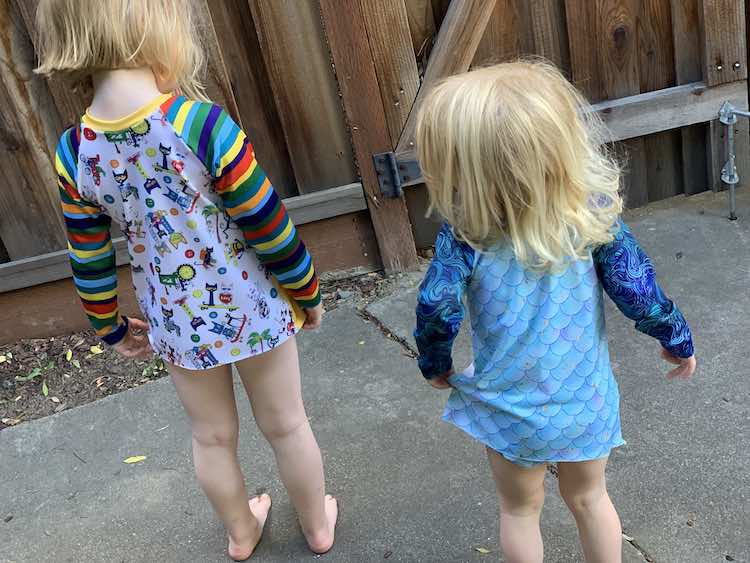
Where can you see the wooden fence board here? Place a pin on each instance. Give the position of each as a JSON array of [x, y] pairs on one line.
[[392, 51], [304, 85], [550, 32], [347, 38], [618, 49], [656, 72], [686, 23], [238, 40], [585, 69], [30, 217], [724, 41], [456, 44], [507, 35]]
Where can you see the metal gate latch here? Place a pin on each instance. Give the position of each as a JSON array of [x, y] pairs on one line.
[[394, 174]]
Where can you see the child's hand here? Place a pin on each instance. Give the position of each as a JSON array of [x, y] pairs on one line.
[[314, 317], [685, 366], [135, 344], [441, 381]]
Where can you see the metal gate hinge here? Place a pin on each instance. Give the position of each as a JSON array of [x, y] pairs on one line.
[[394, 174]]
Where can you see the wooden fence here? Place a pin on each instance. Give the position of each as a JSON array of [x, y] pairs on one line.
[[322, 85]]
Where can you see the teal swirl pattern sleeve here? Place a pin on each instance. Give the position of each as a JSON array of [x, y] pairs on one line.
[[628, 277], [440, 308]]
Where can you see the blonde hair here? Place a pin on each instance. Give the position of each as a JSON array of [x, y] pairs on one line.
[[79, 37], [512, 152]]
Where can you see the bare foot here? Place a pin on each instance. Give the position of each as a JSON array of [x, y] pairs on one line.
[[241, 550], [322, 543]]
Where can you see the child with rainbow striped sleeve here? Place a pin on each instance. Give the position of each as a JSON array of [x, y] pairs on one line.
[[219, 271]]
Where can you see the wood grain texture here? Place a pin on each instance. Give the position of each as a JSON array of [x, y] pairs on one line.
[[724, 41], [680, 106], [387, 24], [238, 41], [508, 33], [305, 89], [456, 44], [347, 38], [585, 68], [688, 65], [656, 71], [550, 32], [616, 32], [30, 217]]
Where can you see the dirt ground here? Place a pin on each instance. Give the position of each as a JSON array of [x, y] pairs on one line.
[[42, 376]]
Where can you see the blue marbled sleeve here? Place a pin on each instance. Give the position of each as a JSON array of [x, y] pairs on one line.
[[440, 308], [628, 277]]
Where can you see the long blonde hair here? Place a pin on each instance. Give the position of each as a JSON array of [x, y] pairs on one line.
[[511, 152], [79, 37]]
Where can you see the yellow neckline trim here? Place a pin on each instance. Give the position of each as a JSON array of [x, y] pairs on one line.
[[126, 121]]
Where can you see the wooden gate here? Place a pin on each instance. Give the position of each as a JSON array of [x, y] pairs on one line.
[[323, 86]]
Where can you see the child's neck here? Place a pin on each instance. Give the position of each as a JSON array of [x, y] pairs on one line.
[[118, 93]]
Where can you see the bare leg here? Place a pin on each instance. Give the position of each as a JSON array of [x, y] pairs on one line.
[[208, 399], [584, 489], [521, 494], [272, 381]]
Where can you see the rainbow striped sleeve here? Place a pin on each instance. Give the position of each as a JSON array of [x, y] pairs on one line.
[[89, 245], [247, 193]]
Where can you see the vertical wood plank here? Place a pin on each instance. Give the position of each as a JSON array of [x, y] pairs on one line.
[[395, 64], [305, 89], [656, 62], [585, 68], [347, 38], [688, 68], [725, 60], [508, 34], [550, 32], [30, 220], [238, 41], [724, 41], [618, 49]]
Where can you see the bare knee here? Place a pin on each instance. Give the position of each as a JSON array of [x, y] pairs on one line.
[[278, 429], [582, 501], [522, 503], [216, 436]]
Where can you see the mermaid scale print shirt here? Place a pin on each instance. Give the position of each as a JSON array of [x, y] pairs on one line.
[[219, 271], [541, 386]]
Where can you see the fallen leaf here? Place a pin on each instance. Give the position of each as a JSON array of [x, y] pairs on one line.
[[96, 350], [9, 355], [134, 459], [76, 364], [45, 389], [482, 550], [54, 399], [69, 354], [49, 366], [361, 342], [3, 359], [10, 421]]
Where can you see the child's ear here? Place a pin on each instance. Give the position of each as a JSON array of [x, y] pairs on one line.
[[165, 82]]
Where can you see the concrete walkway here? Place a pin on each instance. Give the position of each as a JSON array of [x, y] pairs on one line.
[[411, 487]]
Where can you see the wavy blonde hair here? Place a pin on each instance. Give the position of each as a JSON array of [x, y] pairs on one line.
[[512, 152], [79, 37]]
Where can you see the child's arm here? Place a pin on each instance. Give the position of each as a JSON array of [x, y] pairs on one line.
[[247, 194], [92, 255], [440, 308], [628, 277]]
